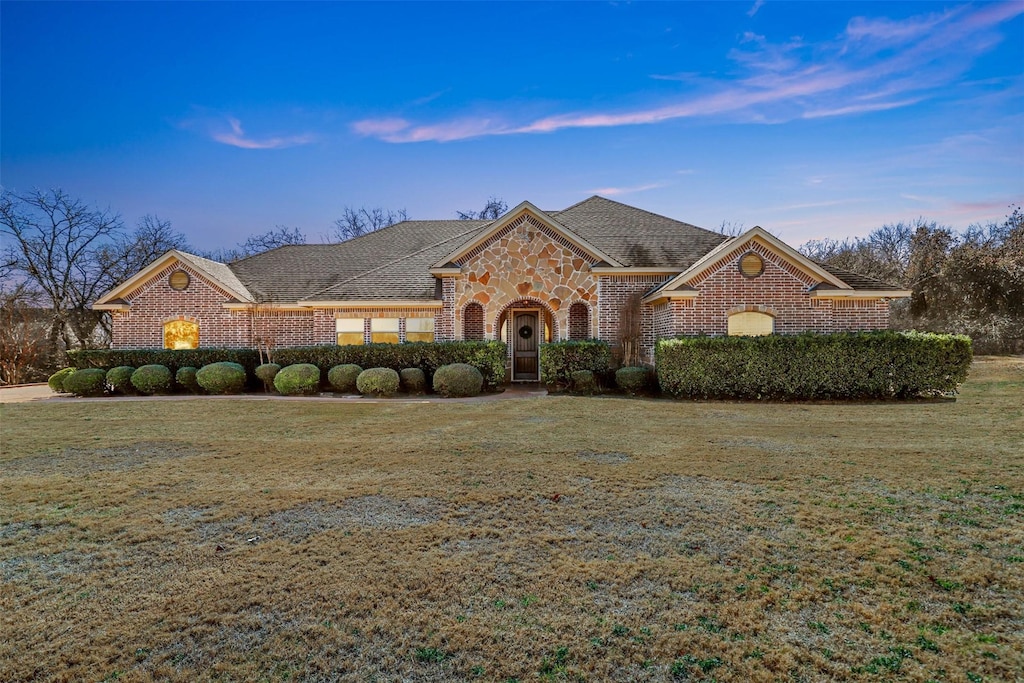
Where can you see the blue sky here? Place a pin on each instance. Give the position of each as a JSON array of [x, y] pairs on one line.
[[809, 119]]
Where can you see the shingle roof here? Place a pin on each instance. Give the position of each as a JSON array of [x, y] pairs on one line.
[[856, 280], [221, 271], [394, 263], [635, 237]]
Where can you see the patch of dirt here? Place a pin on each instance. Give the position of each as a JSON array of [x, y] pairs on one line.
[[80, 461], [368, 512], [603, 458]]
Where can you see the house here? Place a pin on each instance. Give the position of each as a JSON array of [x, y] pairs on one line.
[[527, 277]]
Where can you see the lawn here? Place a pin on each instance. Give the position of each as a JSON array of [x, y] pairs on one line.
[[557, 538]]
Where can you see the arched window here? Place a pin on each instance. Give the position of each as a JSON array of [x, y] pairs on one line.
[[181, 334], [579, 321], [473, 322], [751, 324]]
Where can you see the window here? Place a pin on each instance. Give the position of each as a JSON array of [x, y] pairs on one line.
[[384, 330], [751, 265], [181, 334], [473, 322], [751, 324], [579, 321], [179, 280], [419, 329], [350, 331]]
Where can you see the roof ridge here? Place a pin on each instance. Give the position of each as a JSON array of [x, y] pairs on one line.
[[582, 201], [402, 258], [657, 215]]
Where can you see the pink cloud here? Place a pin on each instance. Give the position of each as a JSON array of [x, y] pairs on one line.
[[236, 138]]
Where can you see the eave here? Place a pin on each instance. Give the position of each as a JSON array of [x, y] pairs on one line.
[[373, 303]]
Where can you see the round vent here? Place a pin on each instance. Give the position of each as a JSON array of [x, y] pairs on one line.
[[179, 280], [751, 264]]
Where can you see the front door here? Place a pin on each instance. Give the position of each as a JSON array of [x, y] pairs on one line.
[[524, 347]]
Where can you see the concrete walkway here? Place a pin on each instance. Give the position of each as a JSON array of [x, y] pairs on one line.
[[41, 392]]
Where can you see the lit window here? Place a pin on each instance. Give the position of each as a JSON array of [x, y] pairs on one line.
[[181, 334], [751, 324], [384, 330], [419, 329], [350, 331]]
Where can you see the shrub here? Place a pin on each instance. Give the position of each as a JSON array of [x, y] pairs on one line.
[[457, 380], [298, 379], [87, 382], [487, 356], [583, 382], [378, 382], [560, 359], [863, 365], [221, 378], [413, 380], [632, 379], [56, 380], [186, 379], [266, 374], [169, 358], [119, 379], [342, 378], [153, 379]]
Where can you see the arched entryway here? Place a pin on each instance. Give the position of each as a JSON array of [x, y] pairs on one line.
[[524, 325]]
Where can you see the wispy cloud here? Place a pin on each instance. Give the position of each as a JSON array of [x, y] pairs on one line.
[[614, 191], [236, 137], [877, 64], [758, 4]]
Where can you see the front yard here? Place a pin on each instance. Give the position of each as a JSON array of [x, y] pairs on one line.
[[558, 538]]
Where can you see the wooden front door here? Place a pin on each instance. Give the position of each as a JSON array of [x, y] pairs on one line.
[[525, 333]]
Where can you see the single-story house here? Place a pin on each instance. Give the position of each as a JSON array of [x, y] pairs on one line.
[[589, 271]]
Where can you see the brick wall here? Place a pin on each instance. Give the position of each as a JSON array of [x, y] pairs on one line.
[[612, 292]]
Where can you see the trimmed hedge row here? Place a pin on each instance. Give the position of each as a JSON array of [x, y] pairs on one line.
[[486, 356], [559, 360], [173, 360], [862, 365]]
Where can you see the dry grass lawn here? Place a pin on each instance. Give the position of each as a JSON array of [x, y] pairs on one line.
[[556, 538]]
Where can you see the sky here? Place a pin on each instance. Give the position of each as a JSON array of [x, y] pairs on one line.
[[810, 119]]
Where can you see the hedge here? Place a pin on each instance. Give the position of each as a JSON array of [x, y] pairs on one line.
[[56, 381], [486, 356], [169, 358], [221, 378], [86, 382], [119, 380], [458, 380], [153, 379], [298, 379], [378, 382], [860, 365], [559, 360]]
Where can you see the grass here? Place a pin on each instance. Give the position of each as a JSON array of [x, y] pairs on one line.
[[537, 539]]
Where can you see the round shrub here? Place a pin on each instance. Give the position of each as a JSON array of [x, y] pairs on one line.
[[266, 373], [56, 380], [221, 378], [119, 379], [378, 382], [298, 379], [153, 379], [632, 380], [413, 381], [87, 382], [186, 379], [582, 381], [458, 380], [342, 378]]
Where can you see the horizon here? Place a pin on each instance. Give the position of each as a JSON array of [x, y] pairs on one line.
[[230, 119]]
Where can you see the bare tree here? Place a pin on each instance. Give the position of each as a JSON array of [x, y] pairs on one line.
[[24, 356], [280, 236], [494, 207], [358, 222], [731, 228]]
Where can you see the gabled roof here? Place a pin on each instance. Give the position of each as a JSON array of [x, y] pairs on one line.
[[526, 208], [214, 271]]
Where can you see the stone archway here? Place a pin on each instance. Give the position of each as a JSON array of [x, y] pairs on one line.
[[524, 324]]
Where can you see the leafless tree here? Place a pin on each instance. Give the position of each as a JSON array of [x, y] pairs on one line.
[[358, 222], [731, 228], [24, 356], [280, 236], [494, 207]]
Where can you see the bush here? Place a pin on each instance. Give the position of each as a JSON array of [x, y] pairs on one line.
[[487, 356], [560, 359], [186, 379], [87, 382], [863, 365], [298, 379], [342, 378], [221, 378], [378, 382], [583, 382], [413, 380], [458, 380], [153, 379], [119, 379], [266, 374], [632, 379], [56, 380], [169, 358]]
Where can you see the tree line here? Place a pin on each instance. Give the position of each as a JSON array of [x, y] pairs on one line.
[[59, 254]]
